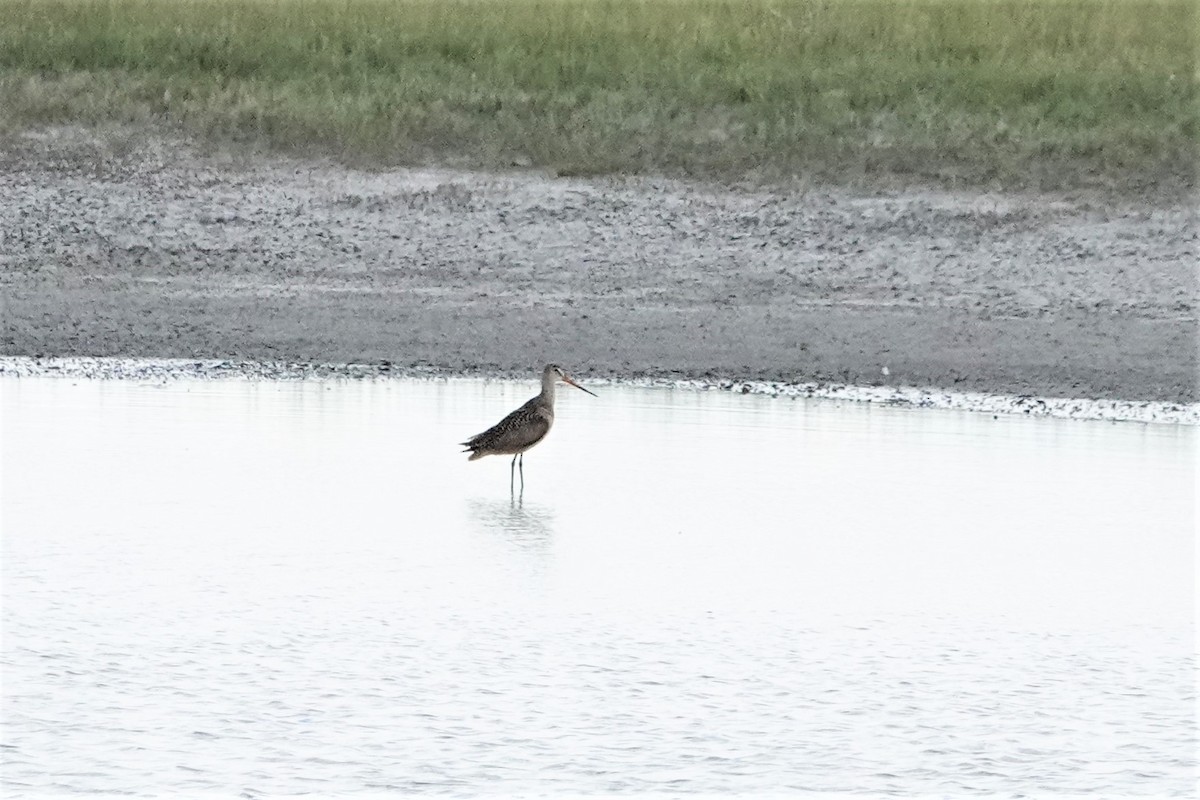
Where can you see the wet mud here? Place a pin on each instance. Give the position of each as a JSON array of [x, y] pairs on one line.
[[149, 247]]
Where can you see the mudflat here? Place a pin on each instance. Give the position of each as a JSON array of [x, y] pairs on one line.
[[142, 245]]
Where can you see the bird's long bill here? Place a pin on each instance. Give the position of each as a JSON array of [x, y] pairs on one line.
[[567, 379]]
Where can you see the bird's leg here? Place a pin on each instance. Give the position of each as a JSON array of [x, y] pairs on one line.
[[522, 468], [511, 468]]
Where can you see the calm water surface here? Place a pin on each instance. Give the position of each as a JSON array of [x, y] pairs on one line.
[[260, 588]]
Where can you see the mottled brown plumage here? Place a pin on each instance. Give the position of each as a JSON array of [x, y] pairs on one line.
[[523, 428]]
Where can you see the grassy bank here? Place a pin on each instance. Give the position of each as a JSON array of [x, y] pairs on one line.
[[1017, 92]]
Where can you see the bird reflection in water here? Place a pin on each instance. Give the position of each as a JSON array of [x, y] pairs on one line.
[[529, 526]]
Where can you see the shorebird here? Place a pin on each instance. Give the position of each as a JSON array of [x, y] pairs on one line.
[[523, 428]]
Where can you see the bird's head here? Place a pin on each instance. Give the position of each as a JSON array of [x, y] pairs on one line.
[[555, 373]]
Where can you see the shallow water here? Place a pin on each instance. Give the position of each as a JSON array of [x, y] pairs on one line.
[[276, 588]]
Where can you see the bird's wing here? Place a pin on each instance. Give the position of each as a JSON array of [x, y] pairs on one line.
[[524, 432], [524, 427]]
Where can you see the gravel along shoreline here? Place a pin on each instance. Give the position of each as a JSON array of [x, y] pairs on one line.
[[144, 247], [162, 371]]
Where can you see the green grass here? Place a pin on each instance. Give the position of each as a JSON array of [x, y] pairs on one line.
[[1016, 92]]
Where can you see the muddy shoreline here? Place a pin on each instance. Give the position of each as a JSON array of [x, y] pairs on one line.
[[147, 247], [159, 372]]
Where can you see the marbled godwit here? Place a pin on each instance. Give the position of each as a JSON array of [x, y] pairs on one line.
[[523, 428]]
